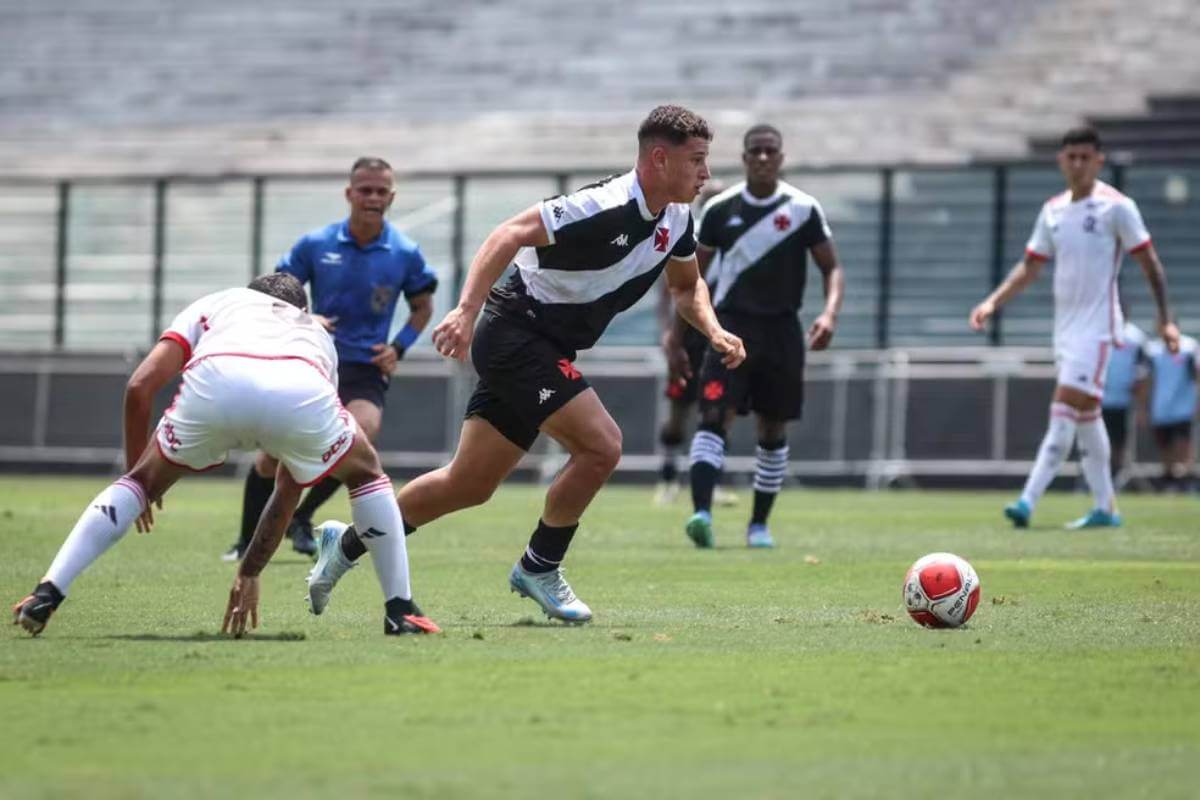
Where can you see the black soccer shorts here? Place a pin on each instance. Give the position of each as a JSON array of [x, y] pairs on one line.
[[694, 344], [523, 379], [362, 381], [770, 381]]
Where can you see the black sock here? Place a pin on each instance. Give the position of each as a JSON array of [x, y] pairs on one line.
[[316, 496], [704, 479], [762, 507], [254, 500], [398, 607], [352, 546], [547, 547], [669, 471]]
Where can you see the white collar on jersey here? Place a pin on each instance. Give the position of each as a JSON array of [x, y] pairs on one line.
[[641, 198], [762, 201]]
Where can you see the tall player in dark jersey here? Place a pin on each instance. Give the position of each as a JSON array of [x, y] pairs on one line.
[[581, 258], [763, 230]]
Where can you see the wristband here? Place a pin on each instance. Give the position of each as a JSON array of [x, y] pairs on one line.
[[405, 338]]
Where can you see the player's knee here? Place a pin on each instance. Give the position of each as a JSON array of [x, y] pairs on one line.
[[602, 453], [670, 436], [714, 424]]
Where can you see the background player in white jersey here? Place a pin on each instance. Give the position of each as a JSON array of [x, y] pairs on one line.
[[1173, 407], [581, 258], [1086, 230], [762, 229], [258, 371]]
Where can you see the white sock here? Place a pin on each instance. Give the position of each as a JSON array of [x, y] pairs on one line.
[[99, 527], [1094, 454], [380, 527], [1055, 448]]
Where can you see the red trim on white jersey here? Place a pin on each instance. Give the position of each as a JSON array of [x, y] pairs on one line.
[[1036, 255], [173, 336], [1141, 246]]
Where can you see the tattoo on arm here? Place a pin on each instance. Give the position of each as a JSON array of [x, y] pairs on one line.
[[267, 536]]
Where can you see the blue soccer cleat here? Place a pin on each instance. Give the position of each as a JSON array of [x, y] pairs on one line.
[[1019, 512], [759, 536], [699, 529], [331, 564], [551, 591], [1096, 518]]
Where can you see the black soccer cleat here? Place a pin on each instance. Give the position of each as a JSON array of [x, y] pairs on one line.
[[34, 610], [300, 531], [402, 617]]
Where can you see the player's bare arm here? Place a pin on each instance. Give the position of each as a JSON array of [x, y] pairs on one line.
[[161, 364], [693, 303], [1022, 274], [452, 336], [820, 333], [420, 309], [674, 327], [1156, 276], [243, 596]]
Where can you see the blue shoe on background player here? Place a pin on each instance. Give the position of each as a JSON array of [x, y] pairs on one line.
[[699, 529], [1096, 518], [759, 536], [1019, 512]]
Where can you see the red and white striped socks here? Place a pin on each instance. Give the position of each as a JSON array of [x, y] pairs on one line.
[[99, 527]]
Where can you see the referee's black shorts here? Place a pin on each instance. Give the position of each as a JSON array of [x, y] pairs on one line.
[[362, 381], [523, 378], [770, 382]]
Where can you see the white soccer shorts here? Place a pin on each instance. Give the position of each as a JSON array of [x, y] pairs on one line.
[[1083, 365], [284, 406]]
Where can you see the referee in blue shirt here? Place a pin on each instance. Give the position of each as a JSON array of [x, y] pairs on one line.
[[356, 270]]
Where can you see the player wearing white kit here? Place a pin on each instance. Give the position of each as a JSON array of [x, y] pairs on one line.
[[1086, 230], [258, 372]]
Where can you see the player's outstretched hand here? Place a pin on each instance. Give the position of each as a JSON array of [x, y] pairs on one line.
[[145, 520], [452, 336], [385, 357], [820, 333], [732, 351], [243, 605], [981, 313], [1170, 336]]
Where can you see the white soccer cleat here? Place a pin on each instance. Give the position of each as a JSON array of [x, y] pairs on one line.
[[551, 591], [331, 564]]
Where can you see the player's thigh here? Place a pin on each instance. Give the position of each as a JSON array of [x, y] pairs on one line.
[[360, 465], [1082, 367], [265, 464], [155, 474], [584, 425], [368, 416]]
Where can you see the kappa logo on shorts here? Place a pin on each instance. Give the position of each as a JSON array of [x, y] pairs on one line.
[[328, 454], [544, 395], [714, 390], [568, 370], [662, 238]]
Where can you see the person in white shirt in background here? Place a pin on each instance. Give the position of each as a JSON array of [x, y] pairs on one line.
[[1086, 230]]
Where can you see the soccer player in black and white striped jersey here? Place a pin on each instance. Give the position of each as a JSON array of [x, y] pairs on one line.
[[581, 258], [763, 230]]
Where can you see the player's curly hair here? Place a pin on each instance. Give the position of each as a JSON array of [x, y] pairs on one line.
[[281, 286], [675, 124]]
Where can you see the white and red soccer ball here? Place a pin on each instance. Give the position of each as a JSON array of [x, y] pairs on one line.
[[941, 590]]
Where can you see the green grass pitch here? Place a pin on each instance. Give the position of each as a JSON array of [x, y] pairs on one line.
[[717, 674]]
